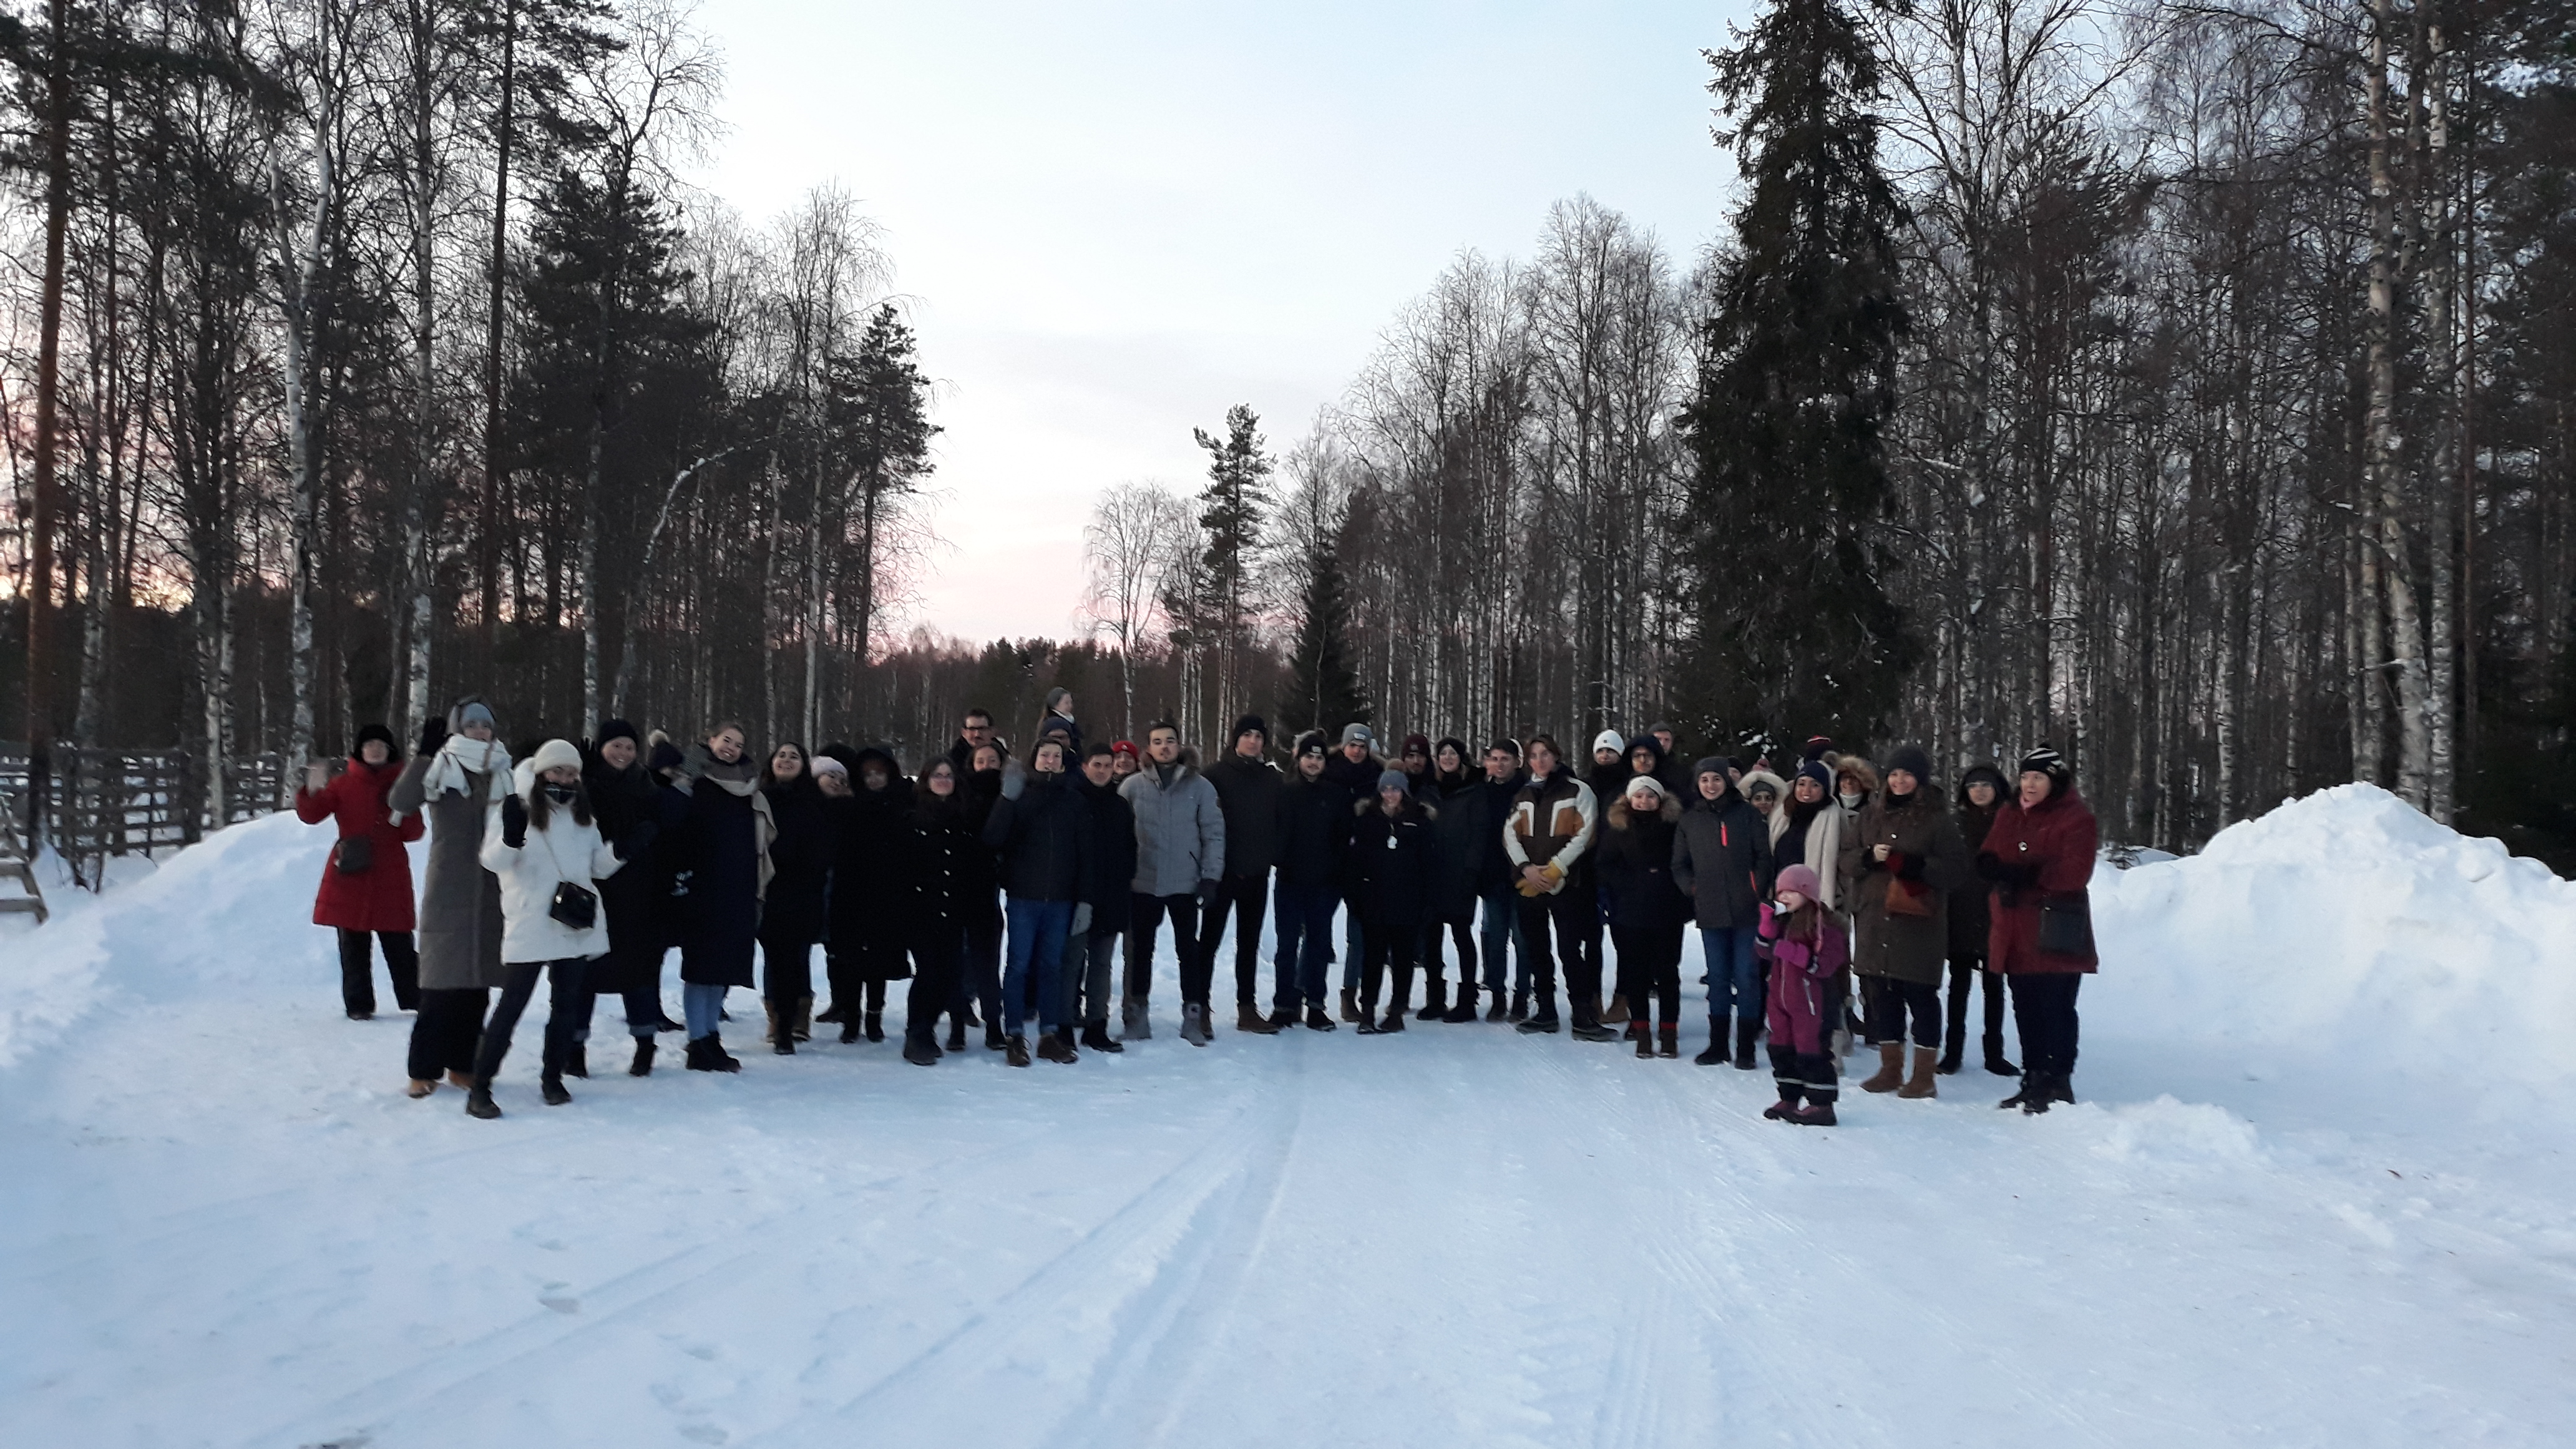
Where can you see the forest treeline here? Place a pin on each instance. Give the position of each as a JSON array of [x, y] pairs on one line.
[[2185, 383]]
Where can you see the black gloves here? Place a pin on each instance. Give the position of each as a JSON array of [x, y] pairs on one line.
[[433, 733], [638, 839], [2007, 874], [1207, 893], [514, 820]]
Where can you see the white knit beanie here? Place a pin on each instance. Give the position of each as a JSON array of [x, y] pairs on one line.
[[553, 753]]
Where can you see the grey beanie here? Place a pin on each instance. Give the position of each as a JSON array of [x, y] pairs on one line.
[[1394, 780], [1359, 733]]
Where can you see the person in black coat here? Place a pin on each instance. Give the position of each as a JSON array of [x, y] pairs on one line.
[[791, 915], [1722, 861], [1110, 899], [1635, 864], [1247, 794], [951, 869], [1311, 833], [1392, 868], [1981, 799], [1043, 830], [1454, 787], [723, 869], [640, 816], [869, 934], [1484, 810], [979, 968]]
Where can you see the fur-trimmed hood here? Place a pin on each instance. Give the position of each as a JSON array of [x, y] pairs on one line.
[[1670, 812]]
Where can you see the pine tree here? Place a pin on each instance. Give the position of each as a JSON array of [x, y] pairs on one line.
[[1795, 631], [1323, 691], [1238, 465]]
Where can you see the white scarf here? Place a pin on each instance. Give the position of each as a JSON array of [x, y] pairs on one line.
[[460, 754]]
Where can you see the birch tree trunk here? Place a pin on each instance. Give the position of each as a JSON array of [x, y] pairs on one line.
[[2380, 445]]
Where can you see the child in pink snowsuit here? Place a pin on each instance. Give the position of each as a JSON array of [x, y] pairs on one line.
[[1807, 946]]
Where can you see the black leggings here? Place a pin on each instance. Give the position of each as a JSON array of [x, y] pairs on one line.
[[567, 1007], [1650, 965], [358, 977], [1965, 972], [443, 1035]]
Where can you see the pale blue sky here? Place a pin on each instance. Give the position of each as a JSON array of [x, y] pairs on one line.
[[1114, 221]]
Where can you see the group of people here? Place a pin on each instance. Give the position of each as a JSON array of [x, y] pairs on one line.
[[1025, 896]]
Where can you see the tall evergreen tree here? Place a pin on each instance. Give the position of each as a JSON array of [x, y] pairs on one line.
[[880, 424], [1323, 691], [1794, 627], [1238, 465]]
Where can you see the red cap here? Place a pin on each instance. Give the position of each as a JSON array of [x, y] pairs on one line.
[[1124, 747]]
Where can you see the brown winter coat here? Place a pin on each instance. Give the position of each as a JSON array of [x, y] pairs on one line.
[[1926, 861], [460, 901]]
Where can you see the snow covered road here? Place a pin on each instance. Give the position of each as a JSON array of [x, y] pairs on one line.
[[225, 1226]]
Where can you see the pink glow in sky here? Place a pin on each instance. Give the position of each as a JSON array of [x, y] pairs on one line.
[[1113, 222]]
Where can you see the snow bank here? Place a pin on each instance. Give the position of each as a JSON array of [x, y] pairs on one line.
[[2346, 924], [238, 905]]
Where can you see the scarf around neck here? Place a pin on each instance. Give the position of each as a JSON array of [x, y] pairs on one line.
[[461, 756]]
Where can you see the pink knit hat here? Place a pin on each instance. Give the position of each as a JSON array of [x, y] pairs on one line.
[[1799, 878]]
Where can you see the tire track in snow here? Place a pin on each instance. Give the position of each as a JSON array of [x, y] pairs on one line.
[[1021, 1325], [677, 1277]]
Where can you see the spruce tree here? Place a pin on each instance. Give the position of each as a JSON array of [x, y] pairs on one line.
[[1795, 633], [1323, 691]]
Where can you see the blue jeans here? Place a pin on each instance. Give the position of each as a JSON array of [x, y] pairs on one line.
[[1305, 927], [703, 1006], [1503, 926], [1734, 975], [1037, 932]]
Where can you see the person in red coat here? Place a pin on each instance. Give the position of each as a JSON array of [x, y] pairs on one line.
[[366, 885], [2039, 857]]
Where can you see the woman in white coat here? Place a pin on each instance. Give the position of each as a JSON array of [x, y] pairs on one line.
[[543, 845]]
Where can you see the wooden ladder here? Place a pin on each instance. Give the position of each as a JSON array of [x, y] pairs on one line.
[[14, 865]]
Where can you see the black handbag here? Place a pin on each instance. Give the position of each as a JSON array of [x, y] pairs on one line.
[[354, 854], [574, 906], [2066, 925]]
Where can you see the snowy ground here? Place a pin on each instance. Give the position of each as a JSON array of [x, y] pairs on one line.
[[2317, 1194]]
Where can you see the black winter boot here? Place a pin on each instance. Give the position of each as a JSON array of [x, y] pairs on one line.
[[718, 1059], [1715, 1055], [642, 1066], [994, 1041], [1015, 1050], [1745, 1032], [1520, 1005], [876, 1026], [1318, 1019], [832, 1012], [1435, 999], [782, 1029], [552, 1089], [1996, 1061], [1095, 1035], [850, 1027], [921, 1051], [1950, 1051], [577, 1062], [478, 1100], [957, 1033], [1495, 1010], [2032, 1089]]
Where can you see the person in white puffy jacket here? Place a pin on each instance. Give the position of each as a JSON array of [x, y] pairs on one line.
[[542, 842]]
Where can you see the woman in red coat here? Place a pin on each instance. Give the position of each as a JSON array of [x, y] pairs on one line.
[[366, 885], [2039, 855]]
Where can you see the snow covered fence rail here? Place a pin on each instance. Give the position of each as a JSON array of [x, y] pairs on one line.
[[100, 803]]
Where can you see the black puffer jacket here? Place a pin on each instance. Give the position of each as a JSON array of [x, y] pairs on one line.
[[1314, 832], [952, 867], [1470, 829], [1247, 794], [873, 873], [1722, 861], [1113, 854], [1635, 866], [640, 817], [1045, 840], [1393, 864]]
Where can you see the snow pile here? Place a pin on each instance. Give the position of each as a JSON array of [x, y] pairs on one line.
[[215, 917], [2346, 923]]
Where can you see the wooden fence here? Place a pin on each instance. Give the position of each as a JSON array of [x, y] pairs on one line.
[[102, 803]]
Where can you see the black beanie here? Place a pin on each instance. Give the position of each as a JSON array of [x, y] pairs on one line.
[[2049, 762], [1249, 724], [1912, 760], [615, 729], [371, 732]]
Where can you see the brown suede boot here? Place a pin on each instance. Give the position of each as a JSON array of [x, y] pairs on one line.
[[1616, 1013], [769, 1033], [1351, 1005], [805, 1018], [1248, 1017], [1920, 1082], [1891, 1068]]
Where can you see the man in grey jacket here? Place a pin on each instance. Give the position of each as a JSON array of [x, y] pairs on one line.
[[1180, 862]]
